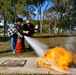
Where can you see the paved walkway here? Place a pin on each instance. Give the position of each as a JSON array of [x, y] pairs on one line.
[[29, 67]]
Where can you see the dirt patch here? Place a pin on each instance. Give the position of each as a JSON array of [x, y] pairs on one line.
[[13, 63]]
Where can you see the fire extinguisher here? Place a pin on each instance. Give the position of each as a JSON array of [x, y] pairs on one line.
[[18, 45]]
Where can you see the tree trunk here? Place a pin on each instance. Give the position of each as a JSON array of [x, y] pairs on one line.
[[41, 24], [5, 28], [49, 28], [13, 21]]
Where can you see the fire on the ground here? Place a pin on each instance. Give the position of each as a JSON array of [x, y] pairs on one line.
[[57, 56]]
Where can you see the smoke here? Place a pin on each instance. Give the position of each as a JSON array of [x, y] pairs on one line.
[[70, 44], [39, 47]]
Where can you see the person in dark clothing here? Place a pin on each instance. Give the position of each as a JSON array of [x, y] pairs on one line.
[[28, 30], [20, 30]]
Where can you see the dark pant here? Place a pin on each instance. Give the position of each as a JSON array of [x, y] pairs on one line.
[[30, 48], [22, 44]]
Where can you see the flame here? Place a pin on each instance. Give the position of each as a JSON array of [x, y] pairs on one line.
[[57, 56]]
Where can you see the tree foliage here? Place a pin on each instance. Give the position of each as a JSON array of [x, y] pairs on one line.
[[63, 12]]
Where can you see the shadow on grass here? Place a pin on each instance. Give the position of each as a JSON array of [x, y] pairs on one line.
[[5, 51], [48, 36], [2, 39]]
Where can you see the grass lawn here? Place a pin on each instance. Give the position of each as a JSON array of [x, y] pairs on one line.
[[29, 74], [51, 41]]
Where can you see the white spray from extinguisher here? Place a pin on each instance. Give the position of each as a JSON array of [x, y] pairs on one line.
[[38, 47]]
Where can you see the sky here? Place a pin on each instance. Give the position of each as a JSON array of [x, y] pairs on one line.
[[2, 21], [43, 7], [45, 4]]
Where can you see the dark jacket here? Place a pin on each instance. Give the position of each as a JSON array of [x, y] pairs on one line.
[[20, 30], [28, 28]]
